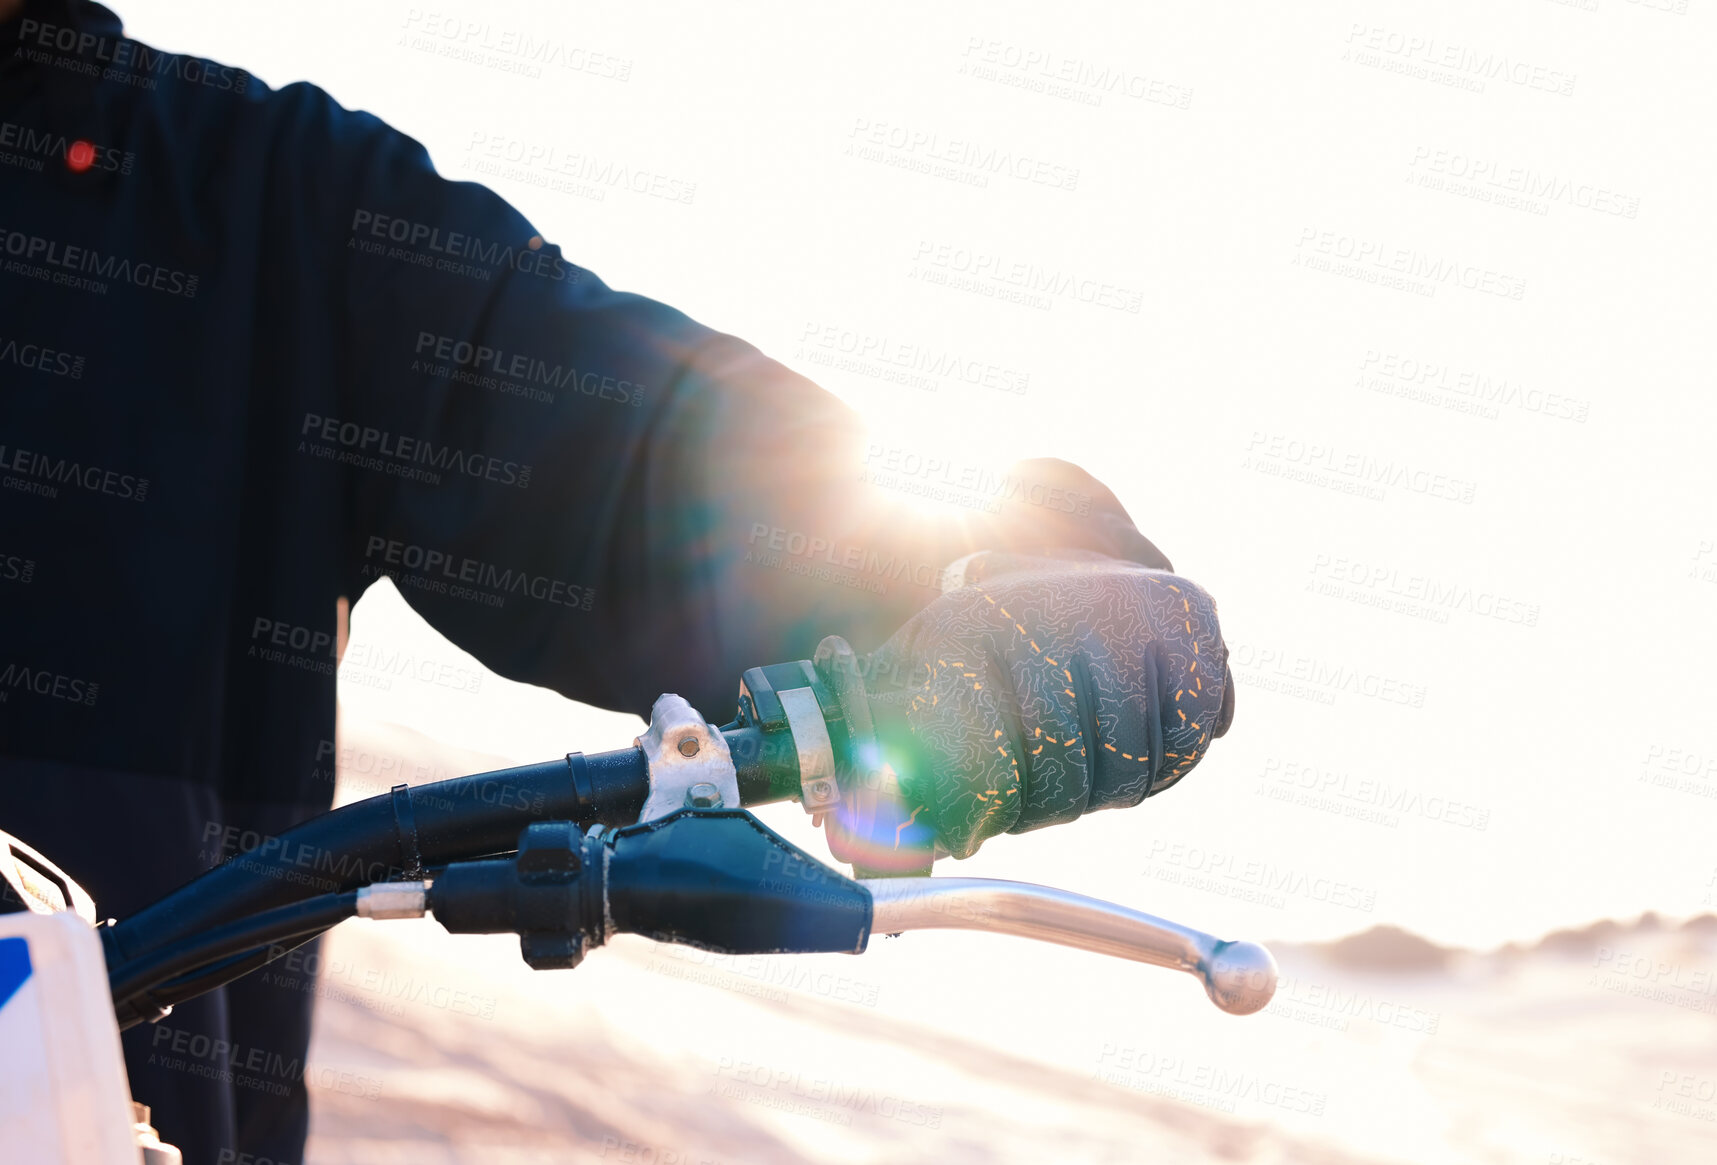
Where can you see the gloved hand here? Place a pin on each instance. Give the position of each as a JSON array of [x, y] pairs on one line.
[[1045, 688]]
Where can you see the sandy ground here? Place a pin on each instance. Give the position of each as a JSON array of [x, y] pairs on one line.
[[1597, 1046]]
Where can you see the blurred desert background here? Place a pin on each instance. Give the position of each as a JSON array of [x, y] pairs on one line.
[[647, 1055], [1584, 1046], [1382, 319]]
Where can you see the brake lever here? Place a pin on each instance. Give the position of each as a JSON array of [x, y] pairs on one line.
[[1239, 977], [821, 708], [721, 880]]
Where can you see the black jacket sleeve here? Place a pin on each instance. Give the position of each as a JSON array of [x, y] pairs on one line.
[[585, 488]]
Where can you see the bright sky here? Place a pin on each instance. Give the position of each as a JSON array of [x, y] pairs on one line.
[[1558, 535]]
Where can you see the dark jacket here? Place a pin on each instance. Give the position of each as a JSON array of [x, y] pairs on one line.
[[256, 354]]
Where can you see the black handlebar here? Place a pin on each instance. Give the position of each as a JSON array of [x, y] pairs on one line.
[[555, 852], [397, 835]]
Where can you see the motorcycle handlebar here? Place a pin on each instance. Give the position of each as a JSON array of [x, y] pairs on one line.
[[397, 834], [802, 734]]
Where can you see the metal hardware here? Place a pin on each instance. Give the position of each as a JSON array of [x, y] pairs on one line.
[[682, 750], [703, 795], [393, 900], [1239, 977], [818, 789]]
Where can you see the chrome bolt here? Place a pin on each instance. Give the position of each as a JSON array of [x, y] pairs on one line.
[[689, 746], [822, 790], [703, 795]]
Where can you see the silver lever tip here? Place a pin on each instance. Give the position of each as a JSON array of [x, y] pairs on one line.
[[1239, 977]]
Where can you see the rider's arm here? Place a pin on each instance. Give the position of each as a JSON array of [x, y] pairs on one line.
[[627, 501]]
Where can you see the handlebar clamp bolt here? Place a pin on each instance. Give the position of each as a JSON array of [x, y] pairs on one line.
[[702, 795]]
